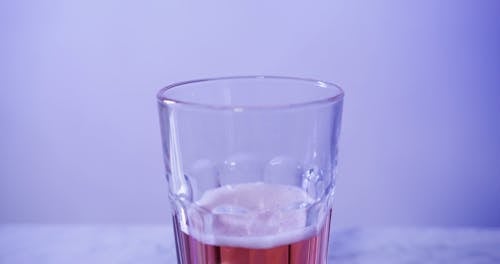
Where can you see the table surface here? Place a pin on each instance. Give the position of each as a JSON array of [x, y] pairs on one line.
[[30, 243]]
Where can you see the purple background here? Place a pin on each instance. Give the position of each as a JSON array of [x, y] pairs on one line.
[[80, 141]]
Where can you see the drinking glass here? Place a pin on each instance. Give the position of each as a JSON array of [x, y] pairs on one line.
[[251, 164]]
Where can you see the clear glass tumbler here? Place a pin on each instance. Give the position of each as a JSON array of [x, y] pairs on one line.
[[250, 164]]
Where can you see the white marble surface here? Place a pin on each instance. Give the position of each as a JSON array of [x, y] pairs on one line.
[[154, 244]]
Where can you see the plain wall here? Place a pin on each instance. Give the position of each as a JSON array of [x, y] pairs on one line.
[[79, 133]]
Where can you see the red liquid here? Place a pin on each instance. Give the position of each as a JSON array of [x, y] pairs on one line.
[[312, 250]]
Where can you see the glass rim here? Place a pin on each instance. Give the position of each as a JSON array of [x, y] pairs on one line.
[[166, 100]]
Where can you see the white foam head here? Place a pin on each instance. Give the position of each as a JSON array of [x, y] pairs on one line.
[[254, 215]]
